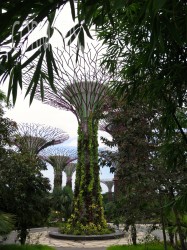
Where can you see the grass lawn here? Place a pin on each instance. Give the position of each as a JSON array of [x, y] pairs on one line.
[[155, 246], [25, 247]]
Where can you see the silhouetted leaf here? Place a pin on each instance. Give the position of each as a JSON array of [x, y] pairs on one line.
[[19, 73], [72, 30], [41, 88], [50, 69], [81, 39], [37, 43], [72, 9], [30, 59], [14, 86], [73, 36], [87, 31], [10, 84], [35, 78], [53, 60], [60, 34]]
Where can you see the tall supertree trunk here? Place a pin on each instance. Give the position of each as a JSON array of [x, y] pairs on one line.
[[87, 198], [69, 182], [57, 178]]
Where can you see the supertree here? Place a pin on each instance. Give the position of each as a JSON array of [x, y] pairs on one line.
[[58, 158], [81, 87], [109, 184], [69, 170], [34, 138]]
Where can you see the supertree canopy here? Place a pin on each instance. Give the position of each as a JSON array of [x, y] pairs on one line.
[[81, 87], [109, 184], [69, 171], [33, 138], [58, 158]]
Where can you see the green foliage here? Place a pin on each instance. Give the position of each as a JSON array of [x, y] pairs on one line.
[[150, 246], [113, 212], [15, 16], [62, 201], [19, 23], [6, 223], [88, 229], [87, 207], [26, 247], [150, 166], [23, 190]]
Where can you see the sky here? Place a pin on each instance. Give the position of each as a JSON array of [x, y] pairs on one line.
[[47, 115]]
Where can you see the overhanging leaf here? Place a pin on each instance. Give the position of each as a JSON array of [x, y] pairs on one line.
[[72, 30], [72, 9], [50, 69], [10, 84], [72, 38], [87, 31], [14, 86], [41, 88], [53, 60], [81, 39], [35, 78], [37, 43], [34, 56]]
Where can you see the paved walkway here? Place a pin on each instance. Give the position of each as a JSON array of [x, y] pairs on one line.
[[40, 236]]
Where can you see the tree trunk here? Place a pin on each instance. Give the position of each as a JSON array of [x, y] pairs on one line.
[[110, 196], [163, 229], [133, 234], [171, 238], [23, 235], [57, 178], [69, 182], [178, 223], [181, 235]]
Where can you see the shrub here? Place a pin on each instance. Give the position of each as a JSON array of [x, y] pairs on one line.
[[89, 229]]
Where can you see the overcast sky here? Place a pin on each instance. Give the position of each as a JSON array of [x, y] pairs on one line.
[[45, 114]]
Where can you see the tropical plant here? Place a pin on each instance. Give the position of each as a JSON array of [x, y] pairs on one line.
[[62, 203], [20, 20], [6, 223], [24, 191], [7, 129], [150, 165]]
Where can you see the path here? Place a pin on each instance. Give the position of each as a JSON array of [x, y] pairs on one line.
[[40, 236]]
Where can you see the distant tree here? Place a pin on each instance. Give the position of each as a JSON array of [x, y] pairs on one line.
[[34, 138], [62, 202], [24, 191], [69, 171], [58, 158], [7, 129], [150, 165], [130, 126]]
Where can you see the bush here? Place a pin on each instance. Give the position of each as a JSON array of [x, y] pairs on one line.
[[6, 223], [80, 229]]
